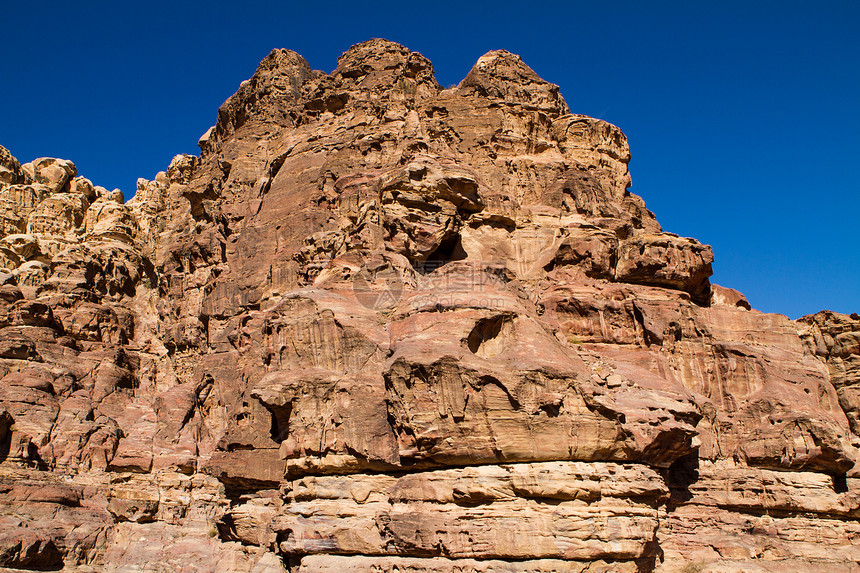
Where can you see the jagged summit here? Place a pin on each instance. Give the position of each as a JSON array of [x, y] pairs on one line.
[[381, 56], [379, 71], [502, 74], [276, 82], [382, 326]]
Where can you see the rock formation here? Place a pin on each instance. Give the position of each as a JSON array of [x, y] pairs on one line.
[[378, 325]]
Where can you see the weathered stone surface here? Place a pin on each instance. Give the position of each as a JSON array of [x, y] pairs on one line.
[[361, 564], [835, 339], [55, 174], [379, 325]]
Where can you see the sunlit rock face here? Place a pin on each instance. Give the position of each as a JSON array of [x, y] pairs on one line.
[[379, 325]]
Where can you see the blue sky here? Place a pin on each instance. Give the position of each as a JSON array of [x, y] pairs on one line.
[[743, 118]]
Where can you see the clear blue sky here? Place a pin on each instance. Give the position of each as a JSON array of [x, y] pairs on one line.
[[743, 117]]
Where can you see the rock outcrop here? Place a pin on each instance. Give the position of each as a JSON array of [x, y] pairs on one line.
[[378, 325]]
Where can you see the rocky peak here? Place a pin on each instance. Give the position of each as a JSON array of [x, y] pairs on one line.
[[387, 70], [10, 169], [503, 75], [380, 55], [275, 85]]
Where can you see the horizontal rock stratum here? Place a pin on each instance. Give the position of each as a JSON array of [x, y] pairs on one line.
[[378, 325]]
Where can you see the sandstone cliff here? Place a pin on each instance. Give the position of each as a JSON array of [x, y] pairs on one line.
[[378, 325]]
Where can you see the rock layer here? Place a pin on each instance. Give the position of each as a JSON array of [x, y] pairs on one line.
[[385, 326]]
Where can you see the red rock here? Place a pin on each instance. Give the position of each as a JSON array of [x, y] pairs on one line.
[[382, 326]]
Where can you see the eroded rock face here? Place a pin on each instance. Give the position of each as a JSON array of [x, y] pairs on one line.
[[383, 326]]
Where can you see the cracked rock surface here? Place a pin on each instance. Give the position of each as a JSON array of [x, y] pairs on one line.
[[378, 325]]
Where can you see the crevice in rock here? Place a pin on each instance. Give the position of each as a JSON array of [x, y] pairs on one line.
[[551, 410], [237, 490], [652, 554], [226, 527], [492, 380]]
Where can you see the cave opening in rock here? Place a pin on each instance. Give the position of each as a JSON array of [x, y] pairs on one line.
[[683, 473], [488, 336], [840, 483], [280, 421], [449, 250]]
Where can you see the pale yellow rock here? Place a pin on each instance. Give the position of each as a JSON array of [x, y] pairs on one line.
[[53, 173], [83, 186], [10, 168], [59, 215], [110, 219], [16, 203]]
